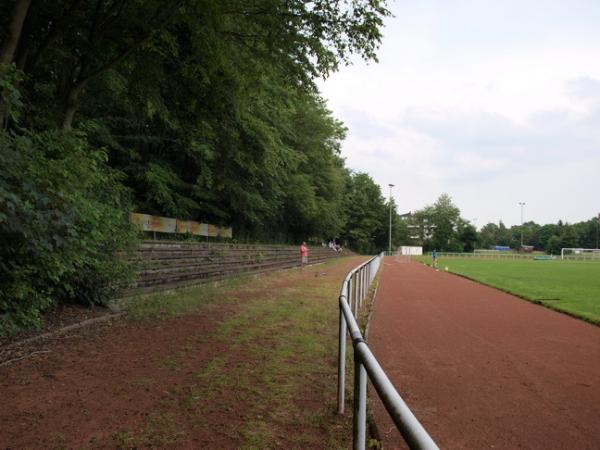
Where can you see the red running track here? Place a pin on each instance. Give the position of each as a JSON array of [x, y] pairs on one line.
[[483, 369]]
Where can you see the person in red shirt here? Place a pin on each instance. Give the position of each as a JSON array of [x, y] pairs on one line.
[[303, 254]]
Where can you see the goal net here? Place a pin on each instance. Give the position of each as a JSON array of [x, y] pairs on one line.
[[580, 253], [402, 258], [405, 252]]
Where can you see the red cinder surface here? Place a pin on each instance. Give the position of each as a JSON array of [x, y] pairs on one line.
[[481, 368]]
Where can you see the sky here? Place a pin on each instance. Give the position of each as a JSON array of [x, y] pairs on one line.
[[493, 103]]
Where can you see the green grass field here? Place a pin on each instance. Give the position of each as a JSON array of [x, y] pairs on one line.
[[569, 286]]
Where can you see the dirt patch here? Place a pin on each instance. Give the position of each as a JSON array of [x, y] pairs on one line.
[[148, 383], [481, 368], [94, 382]]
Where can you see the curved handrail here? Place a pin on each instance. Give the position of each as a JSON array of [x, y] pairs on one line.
[[354, 290]]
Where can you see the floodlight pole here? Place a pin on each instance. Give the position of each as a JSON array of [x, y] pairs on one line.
[[597, 229], [390, 239], [522, 204]]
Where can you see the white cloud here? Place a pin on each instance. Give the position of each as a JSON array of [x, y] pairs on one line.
[[492, 114]]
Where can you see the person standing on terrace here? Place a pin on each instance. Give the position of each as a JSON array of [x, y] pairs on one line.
[[303, 255]]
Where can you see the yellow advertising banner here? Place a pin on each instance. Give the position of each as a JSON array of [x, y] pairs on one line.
[[154, 223], [163, 224], [203, 229], [213, 231], [185, 226], [148, 222], [141, 220]]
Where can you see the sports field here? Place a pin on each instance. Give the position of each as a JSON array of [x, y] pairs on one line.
[[569, 286]]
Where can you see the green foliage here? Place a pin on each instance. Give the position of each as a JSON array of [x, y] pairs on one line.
[[446, 217], [468, 236], [440, 227], [208, 109], [549, 238], [11, 102], [366, 224], [63, 219]]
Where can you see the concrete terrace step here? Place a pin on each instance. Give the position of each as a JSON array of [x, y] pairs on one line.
[[166, 264]]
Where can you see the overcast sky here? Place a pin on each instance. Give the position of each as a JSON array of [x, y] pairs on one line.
[[494, 103]]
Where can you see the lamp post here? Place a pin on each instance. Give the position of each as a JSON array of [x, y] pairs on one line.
[[597, 229], [522, 204], [390, 239]]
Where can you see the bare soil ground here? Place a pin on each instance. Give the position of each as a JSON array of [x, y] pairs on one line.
[[147, 383], [481, 368]]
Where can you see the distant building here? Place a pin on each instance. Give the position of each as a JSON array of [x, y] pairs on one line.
[[419, 228]]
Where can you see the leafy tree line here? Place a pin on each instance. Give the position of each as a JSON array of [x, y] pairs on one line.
[[367, 217], [196, 109], [550, 238], [440, 226]]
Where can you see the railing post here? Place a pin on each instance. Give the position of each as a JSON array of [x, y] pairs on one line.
[[356, 293], [362, 288], [362, 285], [366, 282], [359, 429], [362, 279], [351, 288], [342, 361]]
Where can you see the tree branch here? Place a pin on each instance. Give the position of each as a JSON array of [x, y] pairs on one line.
[[19, 13], [134, 47]]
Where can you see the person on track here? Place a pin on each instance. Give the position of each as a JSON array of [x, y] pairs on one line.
[[434, 259]]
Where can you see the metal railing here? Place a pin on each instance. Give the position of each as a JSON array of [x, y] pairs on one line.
[[354, 290], [498, 255]]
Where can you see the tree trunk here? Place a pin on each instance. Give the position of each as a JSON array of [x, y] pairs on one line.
[[14, 30], [71, 106]]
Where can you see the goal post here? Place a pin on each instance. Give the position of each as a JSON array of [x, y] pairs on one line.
[[580, 253], [405, 252]]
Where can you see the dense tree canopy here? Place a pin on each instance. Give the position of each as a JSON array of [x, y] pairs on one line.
[[195, 109], [209, 107]]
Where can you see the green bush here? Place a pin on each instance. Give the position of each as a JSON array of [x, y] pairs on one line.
[[63, 226]]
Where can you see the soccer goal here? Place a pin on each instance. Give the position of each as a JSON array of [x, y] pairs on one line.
[[580, 253], [405, 252]]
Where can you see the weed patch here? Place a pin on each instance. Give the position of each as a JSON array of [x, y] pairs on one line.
[[273, 385]]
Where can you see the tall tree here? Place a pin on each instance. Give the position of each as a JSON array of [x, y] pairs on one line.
[[202, 109], [438, 224], [366, 212], [467, 236]]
